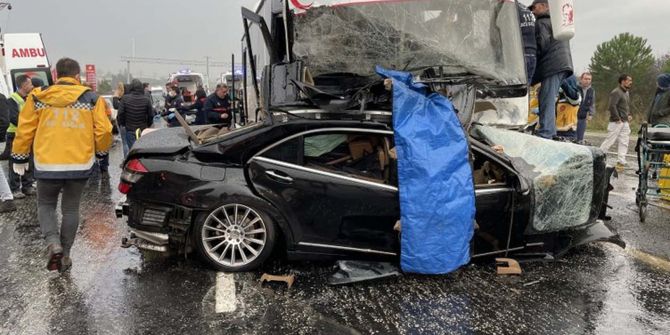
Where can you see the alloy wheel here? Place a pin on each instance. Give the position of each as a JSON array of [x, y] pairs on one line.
[[234, 235]]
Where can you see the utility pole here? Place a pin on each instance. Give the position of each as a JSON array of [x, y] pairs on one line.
[[128, 71], [207, 67], [132, 50]]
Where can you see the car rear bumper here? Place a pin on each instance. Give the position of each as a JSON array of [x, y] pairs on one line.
[[154, 227]]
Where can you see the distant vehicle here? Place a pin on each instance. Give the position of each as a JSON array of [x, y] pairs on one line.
[[187, 81], [228, 78], [110, 105], [158, 98]]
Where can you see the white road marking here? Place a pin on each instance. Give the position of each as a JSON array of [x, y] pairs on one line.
[[225, 293]]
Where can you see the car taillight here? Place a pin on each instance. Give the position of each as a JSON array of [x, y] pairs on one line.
[[135, 165], [132, 173], [124, 187]]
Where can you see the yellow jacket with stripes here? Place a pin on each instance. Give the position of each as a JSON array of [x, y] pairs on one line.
[[65, 126]]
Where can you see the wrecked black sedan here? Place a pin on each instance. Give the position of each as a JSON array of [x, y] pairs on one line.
[[317, 177], [328, 189]]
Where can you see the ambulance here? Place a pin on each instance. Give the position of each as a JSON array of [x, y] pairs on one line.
[[22, 53]]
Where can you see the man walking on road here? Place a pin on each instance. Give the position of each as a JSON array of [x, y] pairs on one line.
[[618, 129], [554, 64], [66, 127], [588, 106]]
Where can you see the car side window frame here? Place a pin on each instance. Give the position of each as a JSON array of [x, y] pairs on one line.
[[301, 166]]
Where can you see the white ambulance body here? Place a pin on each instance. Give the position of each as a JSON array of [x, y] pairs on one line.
[[23, 53]]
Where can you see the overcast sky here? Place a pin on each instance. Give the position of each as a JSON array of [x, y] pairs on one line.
[[101, 31]]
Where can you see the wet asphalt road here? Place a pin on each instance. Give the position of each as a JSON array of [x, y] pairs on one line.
[[597, 289]]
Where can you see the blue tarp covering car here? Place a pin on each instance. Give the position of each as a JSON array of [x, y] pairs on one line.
[[437, 196]]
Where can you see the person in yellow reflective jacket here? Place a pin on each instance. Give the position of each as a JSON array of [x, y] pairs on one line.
[[66, 129], [21, 186]]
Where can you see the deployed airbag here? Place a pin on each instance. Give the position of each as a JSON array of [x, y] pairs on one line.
[[437, 197]]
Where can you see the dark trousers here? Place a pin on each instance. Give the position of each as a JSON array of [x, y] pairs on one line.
[[130, 138], [581, 129], [47, 200], [104, 163], [16, 182], [531, 64], [200, 117]]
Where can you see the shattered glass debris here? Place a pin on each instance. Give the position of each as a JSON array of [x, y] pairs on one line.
[[464, 36], [562, 175], [509, 112]]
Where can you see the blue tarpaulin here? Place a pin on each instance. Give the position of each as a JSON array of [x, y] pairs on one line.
[[437, 196]]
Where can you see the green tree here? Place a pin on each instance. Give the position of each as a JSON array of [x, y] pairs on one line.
[[104, 87], [663, 64], [628, 54]]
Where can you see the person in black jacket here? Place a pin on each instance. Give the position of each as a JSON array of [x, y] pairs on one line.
[[554, 64], [199, 105], [135, 112], [527, 24], [217, 106]]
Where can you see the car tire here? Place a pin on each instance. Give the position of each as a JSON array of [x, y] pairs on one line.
[[235, 236]]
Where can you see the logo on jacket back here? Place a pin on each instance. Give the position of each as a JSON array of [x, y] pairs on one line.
[[28, 53]]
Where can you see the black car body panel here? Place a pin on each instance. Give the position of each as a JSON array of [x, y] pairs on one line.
[[320, 214]]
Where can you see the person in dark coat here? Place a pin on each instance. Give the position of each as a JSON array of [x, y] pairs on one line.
[[527, 24], [199, 105], [135, 112], [554, 64], [217, 106], [588, 106], [660, 108]]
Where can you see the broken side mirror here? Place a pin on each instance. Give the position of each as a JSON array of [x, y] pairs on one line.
[[524, 185]]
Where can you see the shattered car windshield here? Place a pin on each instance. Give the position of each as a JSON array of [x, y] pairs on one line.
[[478, 37]]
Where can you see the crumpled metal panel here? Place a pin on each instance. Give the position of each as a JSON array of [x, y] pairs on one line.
[[480, 37], [562, 175]]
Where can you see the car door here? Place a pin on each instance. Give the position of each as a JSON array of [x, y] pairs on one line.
[[501, 212], [330, 206]]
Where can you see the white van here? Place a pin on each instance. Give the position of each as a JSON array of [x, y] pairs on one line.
[[23, 53], [189, 81]]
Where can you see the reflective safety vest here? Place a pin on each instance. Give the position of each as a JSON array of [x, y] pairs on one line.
[[20, 102]]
